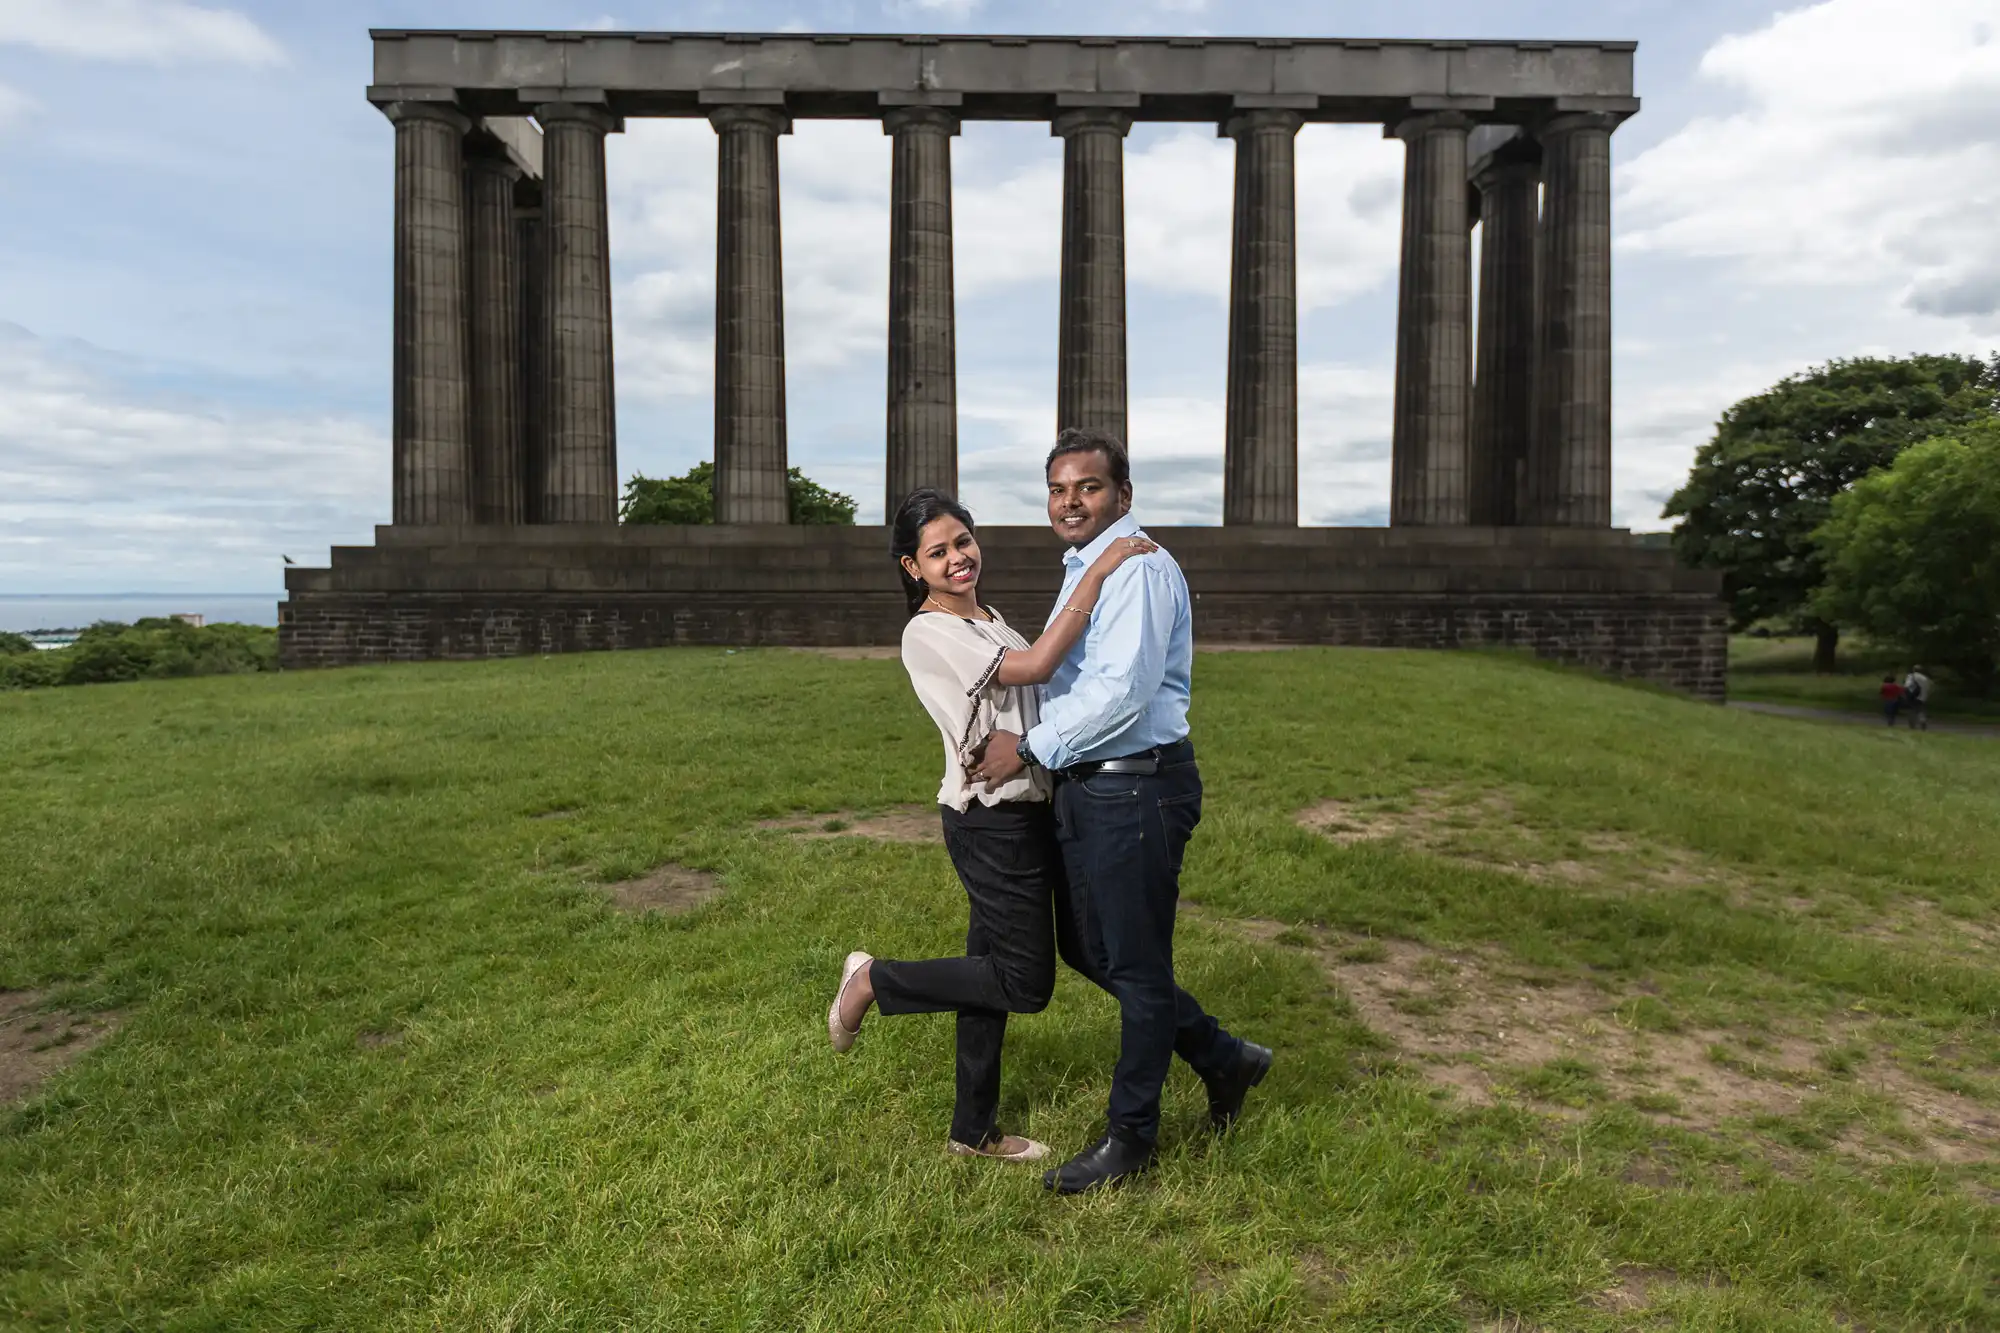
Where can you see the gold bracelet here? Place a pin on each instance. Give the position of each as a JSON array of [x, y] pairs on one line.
[[1079, 610]]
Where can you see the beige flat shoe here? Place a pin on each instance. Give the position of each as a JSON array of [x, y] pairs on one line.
[[838, 1033], [1006, 1148]]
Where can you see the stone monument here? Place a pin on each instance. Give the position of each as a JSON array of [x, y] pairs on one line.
[[504, 537]]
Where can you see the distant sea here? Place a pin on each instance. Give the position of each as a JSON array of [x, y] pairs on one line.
[[70, 610]]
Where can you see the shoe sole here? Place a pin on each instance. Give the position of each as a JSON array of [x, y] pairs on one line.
[[1034, 1152], [1263, 1067], [1050, 1181]]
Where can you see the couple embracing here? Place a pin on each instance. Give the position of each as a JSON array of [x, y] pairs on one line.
[[1070, 791]]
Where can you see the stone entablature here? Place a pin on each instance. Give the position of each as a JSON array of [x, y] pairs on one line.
[[1357, 80]]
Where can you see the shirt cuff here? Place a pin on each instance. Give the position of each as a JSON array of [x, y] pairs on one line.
[[1047, 746]]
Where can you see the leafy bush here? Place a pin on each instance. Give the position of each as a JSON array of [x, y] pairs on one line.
[[14, 643], [151, 649], [690, 499], [30, 670]]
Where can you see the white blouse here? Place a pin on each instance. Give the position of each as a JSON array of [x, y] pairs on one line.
[[953, 664]]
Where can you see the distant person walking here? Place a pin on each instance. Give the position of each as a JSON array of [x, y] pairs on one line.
[[1892, 699], [1916, 699]]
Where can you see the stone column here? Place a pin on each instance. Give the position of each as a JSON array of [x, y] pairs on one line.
[[531, 252], [1503, 395], [1569, 461], [1260, 471], [749, 318], [1433, 365], [923, 340], [1090, 354], [431, 414], [580, 472], [495, 335]]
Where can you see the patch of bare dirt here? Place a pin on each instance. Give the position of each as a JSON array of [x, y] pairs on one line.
[[669, 891], [373, 1040], [1492, 1030], [1483, 828], [38, 1043], [1920, 923], [903, 823], [1634, 1289], [871, 652]]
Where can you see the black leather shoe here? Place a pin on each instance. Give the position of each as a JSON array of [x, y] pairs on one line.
[[1106, 1162], [1226, 1094]]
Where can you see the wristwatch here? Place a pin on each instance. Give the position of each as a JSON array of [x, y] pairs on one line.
[[1026, 755]]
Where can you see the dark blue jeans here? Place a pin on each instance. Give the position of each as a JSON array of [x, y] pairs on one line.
[[1122, 838]]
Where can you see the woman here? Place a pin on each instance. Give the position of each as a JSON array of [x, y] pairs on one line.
[[974, 675]]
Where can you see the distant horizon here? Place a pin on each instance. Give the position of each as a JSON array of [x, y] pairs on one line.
[[27, 612], [135, 592]]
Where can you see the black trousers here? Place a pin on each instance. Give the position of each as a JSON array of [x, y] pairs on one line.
[[1024, 914], [1122, 837]]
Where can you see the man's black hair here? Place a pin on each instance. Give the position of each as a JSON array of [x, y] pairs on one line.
[[1077, 440]]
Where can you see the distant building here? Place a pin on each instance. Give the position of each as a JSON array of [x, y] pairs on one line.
[[189, 618]]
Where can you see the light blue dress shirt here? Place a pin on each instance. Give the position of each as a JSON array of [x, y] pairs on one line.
[[1123, 687]]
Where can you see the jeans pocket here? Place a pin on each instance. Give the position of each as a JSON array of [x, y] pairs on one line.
[[1110, 786]]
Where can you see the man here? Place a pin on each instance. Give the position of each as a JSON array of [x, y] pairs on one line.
[[1916, 698], [1114, 733]]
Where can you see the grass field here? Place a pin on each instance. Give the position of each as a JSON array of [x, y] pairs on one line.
[[1779, 670], [1594, 1009]]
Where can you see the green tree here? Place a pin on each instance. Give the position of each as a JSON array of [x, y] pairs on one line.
[[1761, 488], [1912, 554], [14, 643], [683, 499], [690, 498]]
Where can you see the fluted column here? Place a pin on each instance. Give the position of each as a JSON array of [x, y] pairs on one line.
[[1090, 353], [1569, 464], [923, 339], [749, 318], [531, 266], [1503, 395], [580, 472], [1433, 315], [495, 336], [1260, 471], [431, 414]]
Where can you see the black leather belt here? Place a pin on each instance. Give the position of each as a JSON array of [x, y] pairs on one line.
[[1145, 763]]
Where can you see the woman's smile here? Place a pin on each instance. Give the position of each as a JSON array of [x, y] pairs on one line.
[[961, 575]]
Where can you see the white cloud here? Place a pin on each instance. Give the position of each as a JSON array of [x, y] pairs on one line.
[[835, 213], [145, 31], [106, 482], [958, 9], [1179, 196], [14, 105], [1867, 152]]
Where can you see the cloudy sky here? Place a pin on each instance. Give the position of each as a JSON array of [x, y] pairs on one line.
[[195, 257]]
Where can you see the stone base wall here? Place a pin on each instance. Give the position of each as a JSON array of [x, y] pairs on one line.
[[1594, 599]]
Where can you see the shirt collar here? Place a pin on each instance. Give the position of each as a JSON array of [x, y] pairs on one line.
[[1126, 526]]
